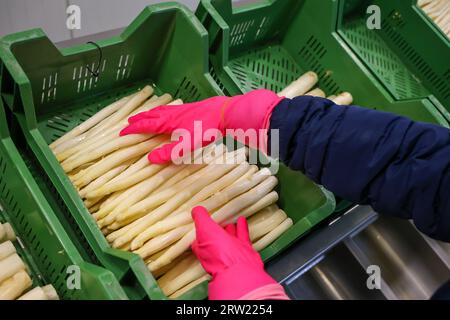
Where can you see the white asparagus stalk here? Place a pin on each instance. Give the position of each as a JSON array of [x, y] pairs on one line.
[[50, 292], [181, 266], [90, 203], [100, 181], [243, 170], [161, 242], [267, 202], [264, 222], [100, 130], [316, 93], [41, 293], [95, 207], [273, 235], [124, 111], [194, 271], [6, 249], [137, 192], [300, 86], [92, 121], [221, 215], [15, 285], [190, 286], [344, 99], [119, 143], [187, 187], [115, 159], [332, 97], [210, 204], [104, 136], [129, 181], [8, 232], [186, 190], [159, 273], [123, 215], [10, 265]]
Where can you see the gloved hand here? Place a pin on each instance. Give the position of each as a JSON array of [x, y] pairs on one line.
[[228, 256], [217, 114]]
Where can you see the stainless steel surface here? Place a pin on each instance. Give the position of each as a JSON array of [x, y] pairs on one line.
[[410, 269], [306, 253], [337, 277]]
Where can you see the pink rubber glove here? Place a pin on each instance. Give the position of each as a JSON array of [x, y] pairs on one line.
[[228, 256], [217, 114]]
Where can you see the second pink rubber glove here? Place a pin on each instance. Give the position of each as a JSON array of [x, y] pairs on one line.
[[228, 256], [217, 114]]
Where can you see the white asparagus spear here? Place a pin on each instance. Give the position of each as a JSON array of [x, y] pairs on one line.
[[158, 243], [267, 202], [129, 181], [6, 249], [210, 204], [10, 265], [111, 133], [221, 215], [190, 286], [124, 111], [194, 271], [264, 222], [41, 293], [343, 99], [180, 267], [187, 187], [300, 86], [137, 192], [115, 159], [92, 121], [104, 126], [119, 216], [180, 292], [112, 146], [185, 191], [273, 235], [12, 287], [243, 171], [8, 232], [317, 92], [142, 189], [97, 183]]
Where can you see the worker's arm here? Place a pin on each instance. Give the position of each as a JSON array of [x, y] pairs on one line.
[[398, 166]]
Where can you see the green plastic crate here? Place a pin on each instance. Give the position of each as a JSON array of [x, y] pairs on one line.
[[52, 92], [409, 55], [49, 250], [269, 43]]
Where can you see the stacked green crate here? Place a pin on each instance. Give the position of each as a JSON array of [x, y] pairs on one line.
[[408, 55], [53, 91], [47, 249]]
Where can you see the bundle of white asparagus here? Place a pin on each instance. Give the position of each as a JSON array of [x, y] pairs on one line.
[[15, 280], [439, 12], [145, 208]]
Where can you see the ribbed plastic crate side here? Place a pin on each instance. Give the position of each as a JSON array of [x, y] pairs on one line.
[[407, 55], [49, 247]]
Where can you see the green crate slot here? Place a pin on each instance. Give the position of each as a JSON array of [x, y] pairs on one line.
[[48, 249], [409, 54]]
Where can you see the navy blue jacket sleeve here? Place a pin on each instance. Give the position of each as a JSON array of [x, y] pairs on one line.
[[398, 166]]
